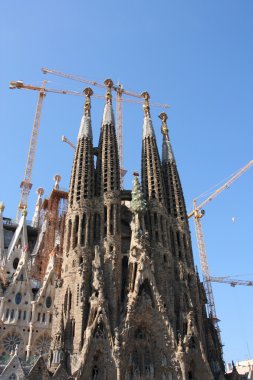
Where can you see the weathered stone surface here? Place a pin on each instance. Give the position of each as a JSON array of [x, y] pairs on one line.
[[119, 296]]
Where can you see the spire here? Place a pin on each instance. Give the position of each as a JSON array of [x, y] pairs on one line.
[[147, 123], [152, 181], [173, 188], [167, 152], [85, 126], [108, 116], [57, 179], [82, 176], [108, 174], [36, 216]]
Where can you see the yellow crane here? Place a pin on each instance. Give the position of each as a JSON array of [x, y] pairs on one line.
[[198, 213], [120, 90]]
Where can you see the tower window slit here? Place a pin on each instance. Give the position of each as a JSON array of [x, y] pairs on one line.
[[69, 234], [83, 229], [75, 232], [105, 220], [172, 242], [111, 219]]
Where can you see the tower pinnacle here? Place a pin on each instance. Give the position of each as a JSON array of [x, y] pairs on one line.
[[167, 152], [108, 116], [146, 107], [87, 105], [85, 126], [147, 123]]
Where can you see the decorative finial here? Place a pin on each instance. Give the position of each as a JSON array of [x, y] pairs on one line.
[[167, 152], [146, 107], [24, 211], [2, 207], [40, 191], [164, 129], [109, 85], [57, 179], [138, 203], [16, 350], [87, 105]]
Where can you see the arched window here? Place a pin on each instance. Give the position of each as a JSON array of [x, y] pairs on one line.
[[48, 302], [95, 373], [18, 298], [15, 265]]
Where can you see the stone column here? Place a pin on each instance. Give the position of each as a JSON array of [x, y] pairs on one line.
[[28, 347]]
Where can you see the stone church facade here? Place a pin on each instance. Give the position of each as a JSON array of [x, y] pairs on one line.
[[109, 284]]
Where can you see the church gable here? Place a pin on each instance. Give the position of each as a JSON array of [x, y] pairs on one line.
[[60, 373], [13, 370], [39, 371]]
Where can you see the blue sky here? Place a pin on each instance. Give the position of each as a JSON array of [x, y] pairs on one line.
[[195, 55]]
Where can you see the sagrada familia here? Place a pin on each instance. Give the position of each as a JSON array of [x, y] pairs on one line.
[[102, 285]]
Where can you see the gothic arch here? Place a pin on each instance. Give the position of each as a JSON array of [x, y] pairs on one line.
[[146, 292], [142, 352], [99, 363]]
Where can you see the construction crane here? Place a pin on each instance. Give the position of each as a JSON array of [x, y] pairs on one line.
[[231, 281], [119, 113], [26, 184], [198, 213], [67, 141]]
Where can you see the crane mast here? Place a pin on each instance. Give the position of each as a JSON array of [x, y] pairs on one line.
[[205, 268], [119, 130], [198, 213], [26, 184]]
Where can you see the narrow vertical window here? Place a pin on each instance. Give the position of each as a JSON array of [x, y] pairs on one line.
[[105, 220], [83, 230], [69, 234], [111, 219]]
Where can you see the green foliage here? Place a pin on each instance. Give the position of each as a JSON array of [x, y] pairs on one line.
[[138, 204]]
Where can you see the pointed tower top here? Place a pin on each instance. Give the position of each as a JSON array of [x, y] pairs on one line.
[[87, 105], [85, 126], [146, 107], [108, 116], [147, 124], [57, 179], [36, 215], [167, 152], [163, 116], [2, 207]]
